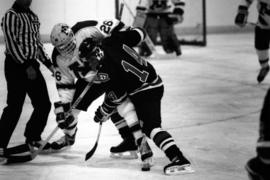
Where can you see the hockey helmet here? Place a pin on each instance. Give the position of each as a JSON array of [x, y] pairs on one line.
[[90, 53], [62, 37]]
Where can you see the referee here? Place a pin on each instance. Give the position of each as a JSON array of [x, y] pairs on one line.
[[23, 47]]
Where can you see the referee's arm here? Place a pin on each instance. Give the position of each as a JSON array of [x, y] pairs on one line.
[[10, 24], [43, 56]]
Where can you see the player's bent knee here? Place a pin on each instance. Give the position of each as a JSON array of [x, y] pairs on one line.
[[127, 111], [262, 54]]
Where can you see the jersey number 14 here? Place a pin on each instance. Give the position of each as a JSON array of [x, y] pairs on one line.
[[142, 75]]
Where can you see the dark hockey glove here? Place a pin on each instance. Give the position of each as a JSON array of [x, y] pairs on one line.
[[64, 116], [241, 17], [103, 113], [176, 16]]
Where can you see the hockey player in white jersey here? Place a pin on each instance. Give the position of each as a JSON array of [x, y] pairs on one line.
[[72, 76], [262, 32]]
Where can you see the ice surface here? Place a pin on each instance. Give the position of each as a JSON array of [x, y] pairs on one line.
[[211, 107]]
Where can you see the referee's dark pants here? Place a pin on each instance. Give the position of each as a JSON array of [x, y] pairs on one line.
[[18, 85]]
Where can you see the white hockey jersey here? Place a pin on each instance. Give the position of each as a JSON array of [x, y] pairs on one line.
[[64, 75], [161, 6], [263, 7]]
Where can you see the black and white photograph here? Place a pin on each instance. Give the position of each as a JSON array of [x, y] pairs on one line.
[[134, 89]]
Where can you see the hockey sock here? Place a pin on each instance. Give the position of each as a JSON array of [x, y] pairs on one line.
[[264, 62], [166, 143], [71, 130], [122, 126]]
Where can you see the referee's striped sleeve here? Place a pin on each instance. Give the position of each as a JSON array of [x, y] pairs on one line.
[[10, 30]]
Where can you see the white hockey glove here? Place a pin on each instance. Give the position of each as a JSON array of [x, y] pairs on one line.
[[241, 17], [64, 116], [103, 113]]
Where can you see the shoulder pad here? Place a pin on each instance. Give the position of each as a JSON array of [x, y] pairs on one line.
[[83, 24]]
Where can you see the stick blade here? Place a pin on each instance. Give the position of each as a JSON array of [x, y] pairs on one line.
[[18, 159], [91, 152], [17, 149]]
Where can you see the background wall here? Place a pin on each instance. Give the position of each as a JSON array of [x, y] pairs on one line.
[[220, 13]]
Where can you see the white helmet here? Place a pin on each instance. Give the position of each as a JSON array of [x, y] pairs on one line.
[[62, 37]]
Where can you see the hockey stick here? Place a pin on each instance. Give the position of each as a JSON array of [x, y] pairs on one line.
[[92, 151], [18, 159]]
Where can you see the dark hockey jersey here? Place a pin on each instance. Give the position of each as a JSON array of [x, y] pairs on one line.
[[127, 72]]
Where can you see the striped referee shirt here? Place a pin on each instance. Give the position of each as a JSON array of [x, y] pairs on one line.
[[21, 33]]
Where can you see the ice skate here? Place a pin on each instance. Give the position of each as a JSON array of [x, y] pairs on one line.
[[146, 155], [127, 149], [179, 166], [63, 143], [262, 74], [34, 146]]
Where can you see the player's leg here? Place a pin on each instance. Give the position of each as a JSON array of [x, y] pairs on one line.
[[68, 139], [148, 108], [264, 128], [262, 39], [127, 148], [168, 37], [257, 170], [151, 29], [127, 110], [259, 167], [15, 100], [38, 93]]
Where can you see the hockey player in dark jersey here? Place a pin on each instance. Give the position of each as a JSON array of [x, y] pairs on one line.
[[68, 69], [132, 77]]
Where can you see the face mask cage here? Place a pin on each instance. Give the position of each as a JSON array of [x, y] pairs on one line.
[[67, 49]]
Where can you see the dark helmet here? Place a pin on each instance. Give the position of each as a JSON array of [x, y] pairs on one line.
[[91, 53]]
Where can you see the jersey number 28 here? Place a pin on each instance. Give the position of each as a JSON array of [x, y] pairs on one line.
[[106, 26]]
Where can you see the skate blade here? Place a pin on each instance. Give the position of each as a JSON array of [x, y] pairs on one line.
[[125, 155], [179, 170], [147, 164]]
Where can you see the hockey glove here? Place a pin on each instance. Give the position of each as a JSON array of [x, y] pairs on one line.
[[241, 17], [64, 116], [103, 113], [176, 16]]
